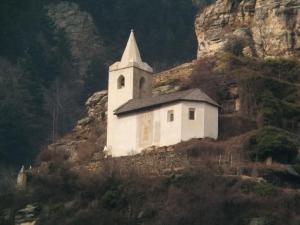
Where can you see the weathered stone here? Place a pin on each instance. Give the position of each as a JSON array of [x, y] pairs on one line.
[[267, 27], [28, 215], [84, 121], [97, 106], [80, 31]]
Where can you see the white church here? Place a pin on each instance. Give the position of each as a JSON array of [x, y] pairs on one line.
[[137, 120]]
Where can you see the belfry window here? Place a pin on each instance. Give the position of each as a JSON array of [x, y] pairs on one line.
[[142, 83], [121, 82]]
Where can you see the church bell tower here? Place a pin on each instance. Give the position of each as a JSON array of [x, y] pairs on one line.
[[129, 78]]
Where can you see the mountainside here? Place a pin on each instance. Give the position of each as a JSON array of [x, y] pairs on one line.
[[81, 33], [249, 176], [253, 27], [55, 54]]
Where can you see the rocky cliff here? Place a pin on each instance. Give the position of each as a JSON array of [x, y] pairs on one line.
[[258, 27], [87, 139], [80, 32]]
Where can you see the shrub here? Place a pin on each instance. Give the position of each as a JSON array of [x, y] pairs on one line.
[[235, 45], [52, 155], [113, 199], [200, 148], [264, 189], [261, 189], [271, 142]]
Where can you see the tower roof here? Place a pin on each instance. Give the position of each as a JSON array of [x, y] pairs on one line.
[[131, 53], [131, 57]]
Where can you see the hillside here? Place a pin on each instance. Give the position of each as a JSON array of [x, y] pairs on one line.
[[249, 176], [239, 179]]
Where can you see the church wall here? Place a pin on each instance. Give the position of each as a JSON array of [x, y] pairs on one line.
[[146, 89], [170, 132], [211, 118], [124, 136], [117, 132], [154, 129], [192, 128], [145, 129], [117, 97], [135, 132]]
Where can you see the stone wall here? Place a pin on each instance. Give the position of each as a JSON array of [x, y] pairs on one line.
[[166, 160], [153, 163]]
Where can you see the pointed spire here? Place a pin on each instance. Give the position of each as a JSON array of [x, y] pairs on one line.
[[131, 57], [131, 53]]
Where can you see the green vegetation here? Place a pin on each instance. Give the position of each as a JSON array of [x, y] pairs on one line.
[[270, 142], [260, 189]]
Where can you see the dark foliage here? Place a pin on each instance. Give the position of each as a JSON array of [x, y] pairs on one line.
[[194, 197], [275, 143], [265, 90]]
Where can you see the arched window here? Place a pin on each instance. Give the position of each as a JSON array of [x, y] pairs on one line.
[[142, 83], [121, 82]]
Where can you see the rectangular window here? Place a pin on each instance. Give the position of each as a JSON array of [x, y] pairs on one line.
[[191, 113], [170, 115]]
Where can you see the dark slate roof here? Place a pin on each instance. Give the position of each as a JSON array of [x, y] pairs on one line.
[[196, 95]]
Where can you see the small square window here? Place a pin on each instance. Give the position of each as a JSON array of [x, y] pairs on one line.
[[170, 115], [191, 113]]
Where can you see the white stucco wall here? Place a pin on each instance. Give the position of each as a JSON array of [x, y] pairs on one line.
[[137, 131], [125, 133], [170, 131], [211, 119], [123, 136], [117, 97], [192, 128], [205, 123]]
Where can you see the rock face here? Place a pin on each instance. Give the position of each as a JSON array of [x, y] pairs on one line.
[[97, 106], [265, 27], [28, 215], [80, 31], [89, 136]]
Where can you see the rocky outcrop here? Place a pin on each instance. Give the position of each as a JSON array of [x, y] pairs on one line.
[[260, 28], [88, 138], [80, 32], [28, 215]]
